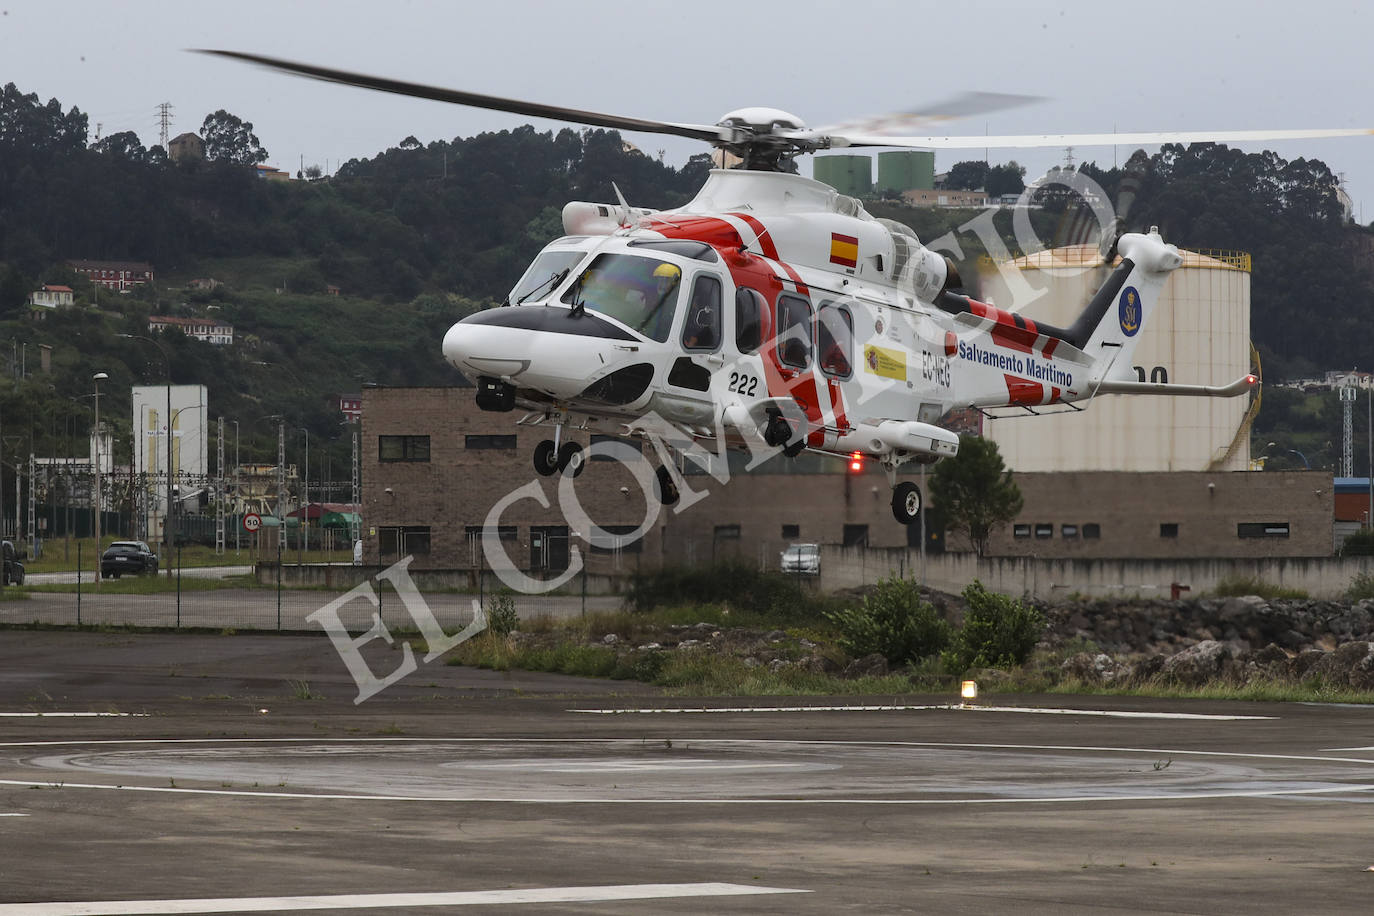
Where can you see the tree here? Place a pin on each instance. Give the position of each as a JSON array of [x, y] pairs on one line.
[[967, 176], [1006, 179], [123, 145], [229, 139], [973, 492]]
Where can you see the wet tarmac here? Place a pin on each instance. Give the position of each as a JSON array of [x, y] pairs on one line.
[[166, 773]]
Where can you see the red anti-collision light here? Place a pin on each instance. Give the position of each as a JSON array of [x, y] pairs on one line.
[[856, 461]]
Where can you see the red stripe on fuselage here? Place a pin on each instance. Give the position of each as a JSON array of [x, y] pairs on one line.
[[1011, 330], [766, 246], [1023, 393]]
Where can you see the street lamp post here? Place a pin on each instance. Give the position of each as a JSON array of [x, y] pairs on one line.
[[305, 488], [97, 379]]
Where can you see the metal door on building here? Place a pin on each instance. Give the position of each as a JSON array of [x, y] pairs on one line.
[[549, 548]]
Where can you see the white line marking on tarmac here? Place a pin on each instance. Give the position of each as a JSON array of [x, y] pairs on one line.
[[1026, 709], [401, 901], [527, 799], [7, 814], [70, 715]]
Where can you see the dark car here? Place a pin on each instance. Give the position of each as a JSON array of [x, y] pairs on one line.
[[13, 572], [132, 557]]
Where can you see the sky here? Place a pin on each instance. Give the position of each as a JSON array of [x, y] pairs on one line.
[[1095, 67]]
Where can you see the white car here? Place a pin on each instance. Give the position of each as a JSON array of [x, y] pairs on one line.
[[802, 558]]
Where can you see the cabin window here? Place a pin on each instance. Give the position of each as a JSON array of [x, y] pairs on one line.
[[639, 292], [701, 330], [749, 308], [835, 333], [543, 275], [794, 331]]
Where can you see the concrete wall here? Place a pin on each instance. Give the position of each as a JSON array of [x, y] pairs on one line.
[[1320, 577]]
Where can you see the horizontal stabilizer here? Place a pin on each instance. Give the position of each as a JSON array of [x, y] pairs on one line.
[[1242, 385]]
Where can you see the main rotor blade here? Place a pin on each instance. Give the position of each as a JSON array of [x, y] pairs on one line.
[[473, 99], [963, 105], [1021, 141]]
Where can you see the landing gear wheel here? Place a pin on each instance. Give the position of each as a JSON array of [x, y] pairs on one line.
[[777, 432], [906, 502], [545, 458], [667, 490], [795, 449], [571, 461]]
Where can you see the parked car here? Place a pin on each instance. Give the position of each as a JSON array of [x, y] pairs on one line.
[[13, 572], [802, 558], [132, 557]]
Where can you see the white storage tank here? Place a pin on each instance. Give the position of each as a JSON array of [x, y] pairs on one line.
[[1199, 334]]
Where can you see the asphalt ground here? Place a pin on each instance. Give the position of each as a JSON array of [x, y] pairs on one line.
[[241, 776]]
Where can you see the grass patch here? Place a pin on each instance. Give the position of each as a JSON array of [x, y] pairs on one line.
[[1240, 586]]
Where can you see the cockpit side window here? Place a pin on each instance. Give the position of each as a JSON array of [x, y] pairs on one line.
[[794, 331], [701, 330], [749, 315], [639, 292], [543, 276], [835, 337]]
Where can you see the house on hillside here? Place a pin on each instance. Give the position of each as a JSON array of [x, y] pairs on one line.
[[51, 296], [185, 146], [272, 173], [121, 276], [210, 330]]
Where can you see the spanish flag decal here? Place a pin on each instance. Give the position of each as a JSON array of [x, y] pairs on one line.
[[885, 362], [844, 250]]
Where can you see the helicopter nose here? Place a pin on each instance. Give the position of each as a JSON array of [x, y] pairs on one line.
[[486, 350]]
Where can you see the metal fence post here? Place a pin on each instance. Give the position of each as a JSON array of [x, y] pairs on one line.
[[78, 583], [280, 532], [178, 561]]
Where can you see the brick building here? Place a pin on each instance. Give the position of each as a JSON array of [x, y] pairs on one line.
[[434, 466], [121, 276]]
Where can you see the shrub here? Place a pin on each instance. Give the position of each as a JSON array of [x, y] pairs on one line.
[[1359, 544], [502, 618], [1239, 586], [998, 632], [893, 620], [744, 588], [1361, 587]]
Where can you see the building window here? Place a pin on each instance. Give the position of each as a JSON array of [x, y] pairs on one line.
[[856, 535], [1021, 530], [1068, 531], [1043, 530], [791, 531], [403, 448], [503, 441], [503, 532], [610, 453], [1262, 530], [616, 539], [1168, 529], [1092, 531], [727, 532], [403, 540]]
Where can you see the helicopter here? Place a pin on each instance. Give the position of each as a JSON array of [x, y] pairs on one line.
[[773, 313]]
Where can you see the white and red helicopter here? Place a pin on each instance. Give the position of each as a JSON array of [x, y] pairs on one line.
[[773, 311]]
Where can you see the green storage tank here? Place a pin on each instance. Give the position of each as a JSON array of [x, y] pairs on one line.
[[851, 175], [906, 170]]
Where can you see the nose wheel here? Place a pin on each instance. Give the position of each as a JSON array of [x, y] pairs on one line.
[[906, 502], [549, 459]]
